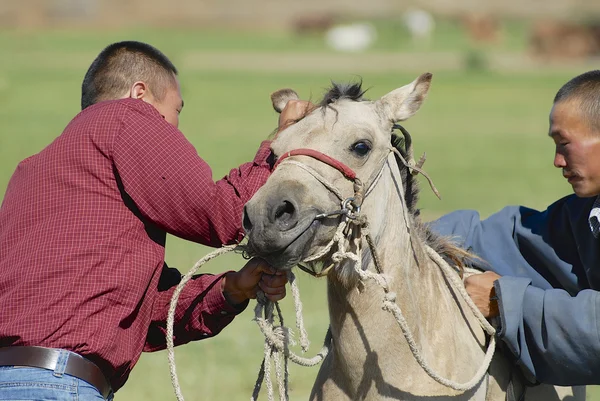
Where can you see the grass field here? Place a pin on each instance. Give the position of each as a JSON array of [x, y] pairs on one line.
[[485, 134]]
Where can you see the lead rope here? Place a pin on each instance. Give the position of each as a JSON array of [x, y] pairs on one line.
[[277, 338], [171, 315]]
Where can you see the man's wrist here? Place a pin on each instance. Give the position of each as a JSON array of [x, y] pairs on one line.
[[231, 291]]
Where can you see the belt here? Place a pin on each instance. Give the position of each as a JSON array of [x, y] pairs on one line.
[[46, 358]]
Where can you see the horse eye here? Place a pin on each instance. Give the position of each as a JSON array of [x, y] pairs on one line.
[[361, 148]]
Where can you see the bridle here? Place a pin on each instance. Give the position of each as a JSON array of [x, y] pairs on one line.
[[350, 206]]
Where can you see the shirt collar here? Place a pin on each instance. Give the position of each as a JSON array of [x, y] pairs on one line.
[[594, 218]]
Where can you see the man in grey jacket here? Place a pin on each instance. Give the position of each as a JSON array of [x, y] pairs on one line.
[[543, 268]]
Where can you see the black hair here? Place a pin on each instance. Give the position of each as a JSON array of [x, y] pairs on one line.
[[120, 65], [352, 91], [586, 89]]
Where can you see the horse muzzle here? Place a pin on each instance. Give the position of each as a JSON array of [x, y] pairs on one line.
[[278, 231]]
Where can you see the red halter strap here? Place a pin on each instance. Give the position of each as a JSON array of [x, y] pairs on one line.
[[315, 154]]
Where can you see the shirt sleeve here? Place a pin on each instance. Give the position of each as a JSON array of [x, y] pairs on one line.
[[202, 310], [518, 241], [553, 335], [173, 187], [548, 313]]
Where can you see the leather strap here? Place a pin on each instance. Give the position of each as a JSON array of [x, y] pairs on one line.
[[46, 358], [315, 154]]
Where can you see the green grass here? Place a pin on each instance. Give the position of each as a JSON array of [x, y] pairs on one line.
[[484, 134]]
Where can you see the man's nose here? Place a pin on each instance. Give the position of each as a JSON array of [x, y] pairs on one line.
[[559, 160]]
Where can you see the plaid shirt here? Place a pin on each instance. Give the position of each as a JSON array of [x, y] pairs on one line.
[[595, 218], [82, 235]]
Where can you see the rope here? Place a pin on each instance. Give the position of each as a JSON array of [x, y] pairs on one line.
[[277, 338], [419, 170], [304, 343], [318, 176], [459, 285], [171, 315], [276, 346]]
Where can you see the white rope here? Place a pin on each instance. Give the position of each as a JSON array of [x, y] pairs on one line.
[[268, 355], [276, 336], [459, 285], [304, 343], [391, 306], [171, 315], [315, 174], [337, 238], [277, 341]]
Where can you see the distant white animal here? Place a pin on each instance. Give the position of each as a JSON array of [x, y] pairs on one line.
[[352, 37], [419, 23]]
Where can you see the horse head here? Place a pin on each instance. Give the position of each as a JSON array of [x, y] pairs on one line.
[[325, 164]]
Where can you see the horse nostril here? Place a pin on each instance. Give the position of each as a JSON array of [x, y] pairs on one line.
[[283, 210], [246, 223], [285, 215]]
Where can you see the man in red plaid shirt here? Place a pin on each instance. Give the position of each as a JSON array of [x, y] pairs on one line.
[[84, 287]]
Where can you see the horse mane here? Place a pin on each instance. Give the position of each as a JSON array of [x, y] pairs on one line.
[[443, 245]]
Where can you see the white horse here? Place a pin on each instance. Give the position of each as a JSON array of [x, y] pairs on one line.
[[342, 153]]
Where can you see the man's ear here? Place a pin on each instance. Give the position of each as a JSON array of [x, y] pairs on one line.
[[139, 90]]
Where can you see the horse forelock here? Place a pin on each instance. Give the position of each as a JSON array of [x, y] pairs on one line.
[[351, 90]]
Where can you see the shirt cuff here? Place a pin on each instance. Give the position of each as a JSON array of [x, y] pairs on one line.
[[217, 304], [510, 292], [263, 153]]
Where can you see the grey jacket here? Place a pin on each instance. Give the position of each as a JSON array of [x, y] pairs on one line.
[[549, 300]]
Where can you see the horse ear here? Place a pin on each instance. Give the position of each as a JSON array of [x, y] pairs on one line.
[[404, 102], [281, 97]]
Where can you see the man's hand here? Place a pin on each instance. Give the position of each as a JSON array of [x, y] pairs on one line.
[[293, 111], [256, 274], [480, 288]]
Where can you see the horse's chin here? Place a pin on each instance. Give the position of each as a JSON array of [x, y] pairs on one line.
[[291, 254]]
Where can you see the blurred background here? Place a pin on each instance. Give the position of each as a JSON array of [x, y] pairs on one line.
[[496, 65]]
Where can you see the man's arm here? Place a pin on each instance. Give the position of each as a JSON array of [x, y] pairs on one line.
[[208, 303], [519, 241], [553, 334], [173, 187], [546, 320]]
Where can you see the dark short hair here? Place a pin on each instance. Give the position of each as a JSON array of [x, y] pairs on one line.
[[120, 65], [586, 89]]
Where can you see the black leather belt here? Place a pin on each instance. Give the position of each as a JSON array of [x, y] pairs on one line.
[[46, 358]]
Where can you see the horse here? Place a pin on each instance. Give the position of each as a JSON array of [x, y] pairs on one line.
[[340, 163]]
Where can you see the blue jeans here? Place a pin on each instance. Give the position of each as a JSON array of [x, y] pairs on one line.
[[34, 384]]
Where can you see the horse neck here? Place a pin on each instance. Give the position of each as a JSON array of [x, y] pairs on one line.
[[421, 292], [402, 256]]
